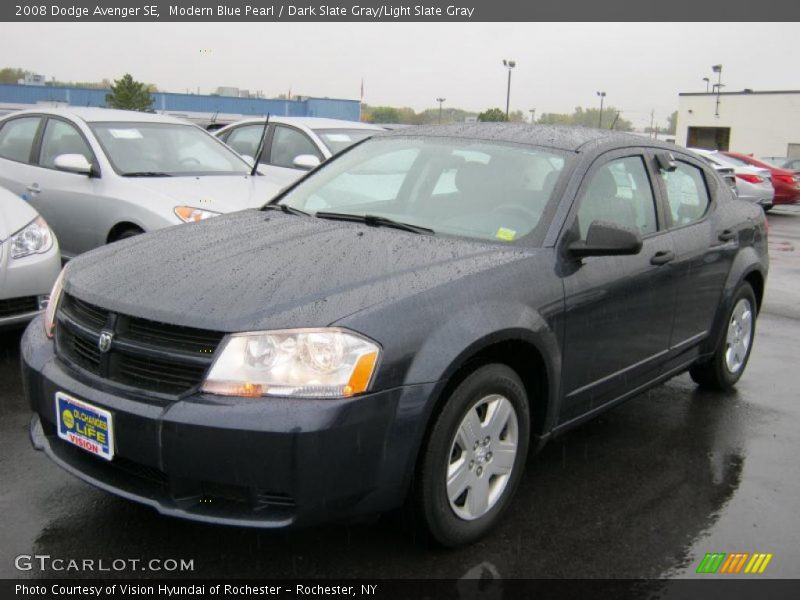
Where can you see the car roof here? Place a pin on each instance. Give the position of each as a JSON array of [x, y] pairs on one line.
[[561, 137], [313, 123], [104, 115]]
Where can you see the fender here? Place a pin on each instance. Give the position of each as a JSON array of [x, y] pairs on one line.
[[747, 261]]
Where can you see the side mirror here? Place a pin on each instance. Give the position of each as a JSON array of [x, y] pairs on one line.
[[607, 239], [306, 162], [73, 163], [666, 162]]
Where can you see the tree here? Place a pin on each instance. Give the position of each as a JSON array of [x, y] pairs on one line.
[[382, 114], [12, 75], [672, 122], [589, 117], [128, 94], [492, 114]]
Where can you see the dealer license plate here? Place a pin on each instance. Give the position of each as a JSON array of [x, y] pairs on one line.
[[85, 425]]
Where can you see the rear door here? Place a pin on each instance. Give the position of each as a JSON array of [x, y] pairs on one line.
[[286, 144], [704, 251], [619, 309], [17, 141]]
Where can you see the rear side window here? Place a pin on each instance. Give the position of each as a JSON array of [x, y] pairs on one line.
[[619, 192], [16, 138], [245, 140], [687, 193], [61, 138]]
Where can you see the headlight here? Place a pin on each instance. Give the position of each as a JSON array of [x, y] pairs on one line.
[[311, 363], [55, 296], [35, 238], [187, 214]]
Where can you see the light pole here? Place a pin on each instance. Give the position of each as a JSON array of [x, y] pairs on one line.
[[718, 70], [508, 64], [600, 120], [440, 101], [708, 82], [533, 115]]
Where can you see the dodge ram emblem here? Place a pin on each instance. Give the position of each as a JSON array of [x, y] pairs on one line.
[[104, 342]]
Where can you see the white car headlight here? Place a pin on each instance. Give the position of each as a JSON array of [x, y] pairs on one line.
[[50, 312], [34, 238], [311, 363], [188, 214]]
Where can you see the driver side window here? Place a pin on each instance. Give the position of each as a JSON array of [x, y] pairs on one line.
[[619, 192]]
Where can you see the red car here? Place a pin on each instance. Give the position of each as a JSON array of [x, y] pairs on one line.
[[785, 182]]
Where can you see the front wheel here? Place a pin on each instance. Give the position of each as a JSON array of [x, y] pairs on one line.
[[474, 457], [727, 364]]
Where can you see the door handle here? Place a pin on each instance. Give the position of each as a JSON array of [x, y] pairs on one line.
[[662, 257], [727, 235], [34, 188]]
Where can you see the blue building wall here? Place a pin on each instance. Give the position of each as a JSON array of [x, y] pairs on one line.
[[310, 107]]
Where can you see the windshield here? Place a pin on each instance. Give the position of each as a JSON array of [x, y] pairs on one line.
[[460, 187], [337, 140], [165, 149]]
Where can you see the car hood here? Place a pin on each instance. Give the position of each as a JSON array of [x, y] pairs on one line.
[[15, 213], [218, 193], [266, 270]]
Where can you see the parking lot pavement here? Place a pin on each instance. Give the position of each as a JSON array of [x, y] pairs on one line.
[[644, 491]]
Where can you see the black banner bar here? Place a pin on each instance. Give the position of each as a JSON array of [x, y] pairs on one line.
[[397, 10]]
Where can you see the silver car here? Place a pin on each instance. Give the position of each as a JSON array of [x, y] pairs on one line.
[[294, 145], [752, 183], [99, 175], [29, 261]]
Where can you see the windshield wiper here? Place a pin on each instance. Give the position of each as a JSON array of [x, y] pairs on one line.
[[289, 210], [146, 174], [375, 221]]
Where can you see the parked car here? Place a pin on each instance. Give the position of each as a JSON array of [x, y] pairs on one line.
[[786, 183], [335, 355], [790, 164], [753, 184], [99, 175], [294, 145], [29, 261]]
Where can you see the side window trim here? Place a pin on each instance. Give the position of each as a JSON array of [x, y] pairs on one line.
[[39, 144], [274, 128], [599, 162], [680, 158]]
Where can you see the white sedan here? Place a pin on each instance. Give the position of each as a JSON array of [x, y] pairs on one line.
[[99, 175], [293, 145], [29, 261]]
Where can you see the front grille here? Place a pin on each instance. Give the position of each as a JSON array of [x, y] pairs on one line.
[[18, 306], [144, 354]]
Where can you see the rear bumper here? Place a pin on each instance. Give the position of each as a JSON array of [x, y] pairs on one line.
[[262, 463]]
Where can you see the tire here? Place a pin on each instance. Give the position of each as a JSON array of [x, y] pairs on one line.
[[127, 233], [729, 361], [489, 473]]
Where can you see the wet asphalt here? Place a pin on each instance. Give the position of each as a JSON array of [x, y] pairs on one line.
[[643, 491]]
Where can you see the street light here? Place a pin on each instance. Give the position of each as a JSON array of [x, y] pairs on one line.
[[600, 120], [718, 70], [533, 115], [440, 101], [708, 81], [509, 64]]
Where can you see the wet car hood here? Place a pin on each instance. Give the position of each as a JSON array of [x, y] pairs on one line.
[[219, 193], [266, 270]]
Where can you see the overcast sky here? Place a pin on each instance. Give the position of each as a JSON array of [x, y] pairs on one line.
[[559, 66]]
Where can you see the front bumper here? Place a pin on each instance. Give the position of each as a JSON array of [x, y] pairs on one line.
[[265, 463], [30, 276]]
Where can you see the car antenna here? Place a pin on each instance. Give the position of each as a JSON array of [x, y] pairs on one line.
[[615, 121], [260, 151]]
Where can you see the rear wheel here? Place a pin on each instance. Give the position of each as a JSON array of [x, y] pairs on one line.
[[474, 457], [725, 368]]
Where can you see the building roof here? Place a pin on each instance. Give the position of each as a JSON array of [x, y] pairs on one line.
[[562, 137], [741, 93]]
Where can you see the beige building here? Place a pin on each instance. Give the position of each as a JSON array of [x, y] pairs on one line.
[[751, 122]]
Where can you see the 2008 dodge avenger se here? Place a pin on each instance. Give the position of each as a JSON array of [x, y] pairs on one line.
[[402, 325]]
